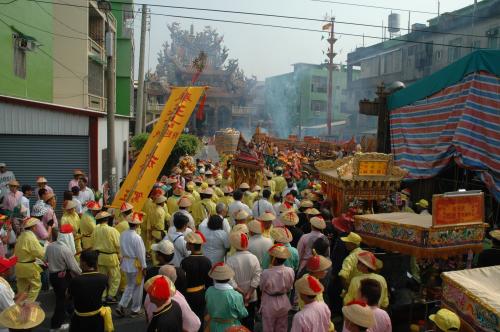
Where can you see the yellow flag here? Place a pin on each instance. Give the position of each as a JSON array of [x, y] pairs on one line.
[[161, 141]]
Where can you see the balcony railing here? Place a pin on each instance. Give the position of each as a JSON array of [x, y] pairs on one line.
[[96, 51], [97, 103]]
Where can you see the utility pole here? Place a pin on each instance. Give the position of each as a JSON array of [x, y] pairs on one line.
[[139, 109], [111, 106], [331, 40]]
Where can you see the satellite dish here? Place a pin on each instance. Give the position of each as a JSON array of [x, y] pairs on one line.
[[395, 86]]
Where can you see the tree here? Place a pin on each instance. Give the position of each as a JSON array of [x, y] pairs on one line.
[[186, 145]]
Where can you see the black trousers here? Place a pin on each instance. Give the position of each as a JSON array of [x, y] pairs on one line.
[[60, 285], [197, 303], [249, 320], [86, 324]]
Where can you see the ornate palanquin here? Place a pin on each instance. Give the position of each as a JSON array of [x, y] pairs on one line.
[[475, 296], [414, 234], [364, 176]]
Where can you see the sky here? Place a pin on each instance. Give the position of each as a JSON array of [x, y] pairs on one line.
[[266, 51]]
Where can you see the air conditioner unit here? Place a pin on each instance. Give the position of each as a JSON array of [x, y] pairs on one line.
[[25, 44]]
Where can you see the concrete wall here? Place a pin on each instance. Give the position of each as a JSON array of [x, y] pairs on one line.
[[121, 148], [38, 82], [70, 88]]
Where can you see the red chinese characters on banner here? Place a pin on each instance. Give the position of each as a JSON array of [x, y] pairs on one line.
[[136, 197], [448, 210]]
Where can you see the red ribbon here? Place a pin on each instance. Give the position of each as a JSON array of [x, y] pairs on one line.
[[358, 302], [314, 284], [200, 114]]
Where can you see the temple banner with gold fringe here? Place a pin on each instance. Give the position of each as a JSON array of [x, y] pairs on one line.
[[158, 147]]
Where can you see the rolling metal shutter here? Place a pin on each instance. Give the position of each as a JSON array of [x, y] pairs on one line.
[[54, 157]]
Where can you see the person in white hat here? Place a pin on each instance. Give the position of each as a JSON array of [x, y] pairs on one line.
[[164, 254], [106, 241], [314, 316], [247, 272], [184, 204], [12, 198], [5, 177], [225, 306], [275, 283], [133, 264], [358, 316], [237, 205], [41, 181], [304, 247], [27, 250], [197, 267], [72, 218], [368, 264], [258, 244]]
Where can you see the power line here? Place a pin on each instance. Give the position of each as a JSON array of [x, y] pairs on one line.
[[38, 28], [293, 17], [397, 9], [307, 19], [264, 25], [50, 56], [59, 21]]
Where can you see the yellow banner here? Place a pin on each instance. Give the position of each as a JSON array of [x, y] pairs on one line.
[[161, 141]]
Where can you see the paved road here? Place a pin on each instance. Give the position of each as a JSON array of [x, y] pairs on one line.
[[47, 300]]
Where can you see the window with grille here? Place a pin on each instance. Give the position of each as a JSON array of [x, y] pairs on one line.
[[318, 84]]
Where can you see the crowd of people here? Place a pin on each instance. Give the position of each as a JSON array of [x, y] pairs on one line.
[[199, 256]]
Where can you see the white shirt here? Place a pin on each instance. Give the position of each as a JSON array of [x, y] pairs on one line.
[[187, 214], [247, 271], [217, 243], [86, 195], [132, 248], [261, 206], [225, 224], [259, 245], [235, 207], [5, 178], [25, 202], [180, 250], [287, 190], [78, 208]]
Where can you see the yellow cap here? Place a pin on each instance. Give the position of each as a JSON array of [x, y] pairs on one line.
[[446, 320], [352, 238], [423, 203]]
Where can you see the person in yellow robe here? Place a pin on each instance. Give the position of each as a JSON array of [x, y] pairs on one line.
[[228, 196], [157, 219], [191, 193], [88, 224], [250, 196], [148, 208], [279, 180], [349, 265], [271, 182], [211, 185], [121, 223], [71, 217], [27, 250], [204, 208], [172, 200], [107, 242], [367, 265]]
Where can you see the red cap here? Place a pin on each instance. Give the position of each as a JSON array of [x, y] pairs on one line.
[[244, 240], [342, 224], [160, 289], [66, 229], [314, 284], [7, 263]]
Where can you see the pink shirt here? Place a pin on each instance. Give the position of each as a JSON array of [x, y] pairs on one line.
[[11, 200], [190, 322], [276, 280], [315, 316], [305, 245], [50, 215]]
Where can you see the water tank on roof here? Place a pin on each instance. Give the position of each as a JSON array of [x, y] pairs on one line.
[[394, 23]]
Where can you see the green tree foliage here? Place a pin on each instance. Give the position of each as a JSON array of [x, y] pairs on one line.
[[186, 145]]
